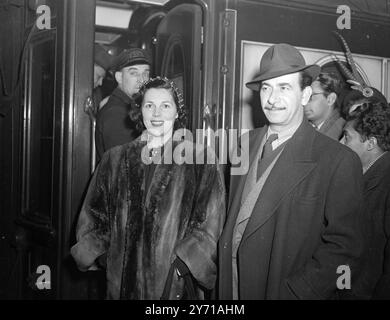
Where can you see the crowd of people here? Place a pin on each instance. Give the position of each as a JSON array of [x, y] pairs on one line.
[[316, 195]]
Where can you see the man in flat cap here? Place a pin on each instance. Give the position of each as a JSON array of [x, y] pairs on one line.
[[294, 221], [113, 124]]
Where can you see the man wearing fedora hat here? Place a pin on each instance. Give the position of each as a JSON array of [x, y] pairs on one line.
[[113, 124], [294, 219]]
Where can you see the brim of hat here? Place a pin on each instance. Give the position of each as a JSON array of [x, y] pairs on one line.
[[132, 63], [313, 70]]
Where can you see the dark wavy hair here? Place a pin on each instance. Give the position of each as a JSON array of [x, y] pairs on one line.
[[372, 120], [329, 83], [158, 83]]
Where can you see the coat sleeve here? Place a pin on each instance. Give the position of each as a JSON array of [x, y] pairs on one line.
[[114, 128], [342, 240], [382, 290], [198, 249], [93, 227]]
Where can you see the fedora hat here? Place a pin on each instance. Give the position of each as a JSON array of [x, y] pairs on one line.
[[281, 59]]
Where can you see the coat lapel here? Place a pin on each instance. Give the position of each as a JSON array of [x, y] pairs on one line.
[[293, 165], [376, 173], [237, 182], [330, 121]]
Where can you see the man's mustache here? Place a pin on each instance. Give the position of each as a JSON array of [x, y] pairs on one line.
[[273, 107]]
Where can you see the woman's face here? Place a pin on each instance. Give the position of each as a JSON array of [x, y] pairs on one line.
[[159, 112]]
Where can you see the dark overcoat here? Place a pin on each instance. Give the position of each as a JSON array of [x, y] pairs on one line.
[[333, 126], [374, 279], [140, 232], [113, 124], [306, 223]]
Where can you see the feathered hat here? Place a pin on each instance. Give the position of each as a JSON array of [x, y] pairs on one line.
[[353, 76], [361, 90]]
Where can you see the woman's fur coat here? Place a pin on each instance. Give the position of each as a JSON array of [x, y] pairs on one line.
[[138, 233]]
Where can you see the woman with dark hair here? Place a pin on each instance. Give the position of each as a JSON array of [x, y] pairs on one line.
[[322, 109], [144, 219]]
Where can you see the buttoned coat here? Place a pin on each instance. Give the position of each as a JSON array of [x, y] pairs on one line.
[[306, 223]]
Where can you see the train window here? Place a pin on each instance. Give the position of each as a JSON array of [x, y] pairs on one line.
[[174, 67], [38, 138], [174, 64], [178, 55], [388, 81]]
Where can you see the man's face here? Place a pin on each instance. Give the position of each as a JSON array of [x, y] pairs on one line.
[[131, 78], [159, 112], [98, 75], [354, 141], [317, 108], [282, 99]]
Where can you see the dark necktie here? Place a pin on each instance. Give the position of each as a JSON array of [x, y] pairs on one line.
[[267, 149]]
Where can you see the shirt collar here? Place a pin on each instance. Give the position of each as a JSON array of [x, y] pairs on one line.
[[286, 134]]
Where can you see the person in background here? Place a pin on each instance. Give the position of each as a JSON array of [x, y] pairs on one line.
[[367, 132], [102, 63], [322, 110], [113, 124]]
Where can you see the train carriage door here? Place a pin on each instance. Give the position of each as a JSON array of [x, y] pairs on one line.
[[179, 55], [56, 148]]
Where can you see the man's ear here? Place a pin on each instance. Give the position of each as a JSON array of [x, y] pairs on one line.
[[331, 98], [118, 77], [306, 94], [372, 142]]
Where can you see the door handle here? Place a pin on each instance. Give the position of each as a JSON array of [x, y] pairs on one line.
[[90, 108]]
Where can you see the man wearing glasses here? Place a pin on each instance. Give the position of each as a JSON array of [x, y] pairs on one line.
[[322, 109]]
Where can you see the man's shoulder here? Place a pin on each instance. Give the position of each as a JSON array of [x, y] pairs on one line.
[[331, 150], [117, 98], [113, 108], [253, 134]]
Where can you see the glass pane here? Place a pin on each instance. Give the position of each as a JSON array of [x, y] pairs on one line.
[[42, 76], [388, 81], [175, 70]]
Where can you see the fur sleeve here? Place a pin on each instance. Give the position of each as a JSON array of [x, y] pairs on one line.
[[92, 231], [199, 248]]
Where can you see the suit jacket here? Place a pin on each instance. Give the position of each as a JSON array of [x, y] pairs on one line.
[[113, 124], [374, 280], [333, 126], [306, 223], [140, 232]]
